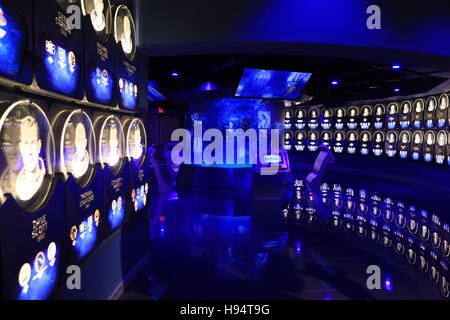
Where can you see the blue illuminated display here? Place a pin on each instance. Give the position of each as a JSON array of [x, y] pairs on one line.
[[128, 93], [12, 43], [272, 84], [116, 213], [61, 68], [37, 279], [84, 237], [102, 85]]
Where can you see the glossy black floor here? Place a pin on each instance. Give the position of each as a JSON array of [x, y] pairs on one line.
[[208, 248]]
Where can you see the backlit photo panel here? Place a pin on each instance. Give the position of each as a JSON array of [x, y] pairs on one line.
[[441, 146], [366, 143], [442, 113], [59, 55], [430, 112], [379, 116], [378, 143], [404, 144], [417, 145], [429, 146], [300, 140], [405, 114], [340, 118], [300, 119], [418, 113], [100, 52], [392, 114], [365, 121], [352, 118]]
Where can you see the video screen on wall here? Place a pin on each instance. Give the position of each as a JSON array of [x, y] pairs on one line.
[[271, 84]]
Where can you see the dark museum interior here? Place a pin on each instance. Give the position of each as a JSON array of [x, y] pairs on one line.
[[224, 150]]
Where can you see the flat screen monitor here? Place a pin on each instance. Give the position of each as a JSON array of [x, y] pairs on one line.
[[270, 84]]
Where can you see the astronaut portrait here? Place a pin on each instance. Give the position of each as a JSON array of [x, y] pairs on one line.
[[442, 139], [300, 136], [404, 138], [340, 113], [406, 108], [300, 114], [326, 136], [32, 174], [135, 142], [366, 112], [430, 138], [378, 137], [314, 114], [418, 139], [313, 136], [353, 112], [379, 111], [287, 114], [352, 136], [431, 105], [365, 137], [419, 106], [392, 138], [443, 103], [113, 144], [339, 136], [81, 160], [98, 19], [392, 109], [327, 113], [126, 40], [287, 136]]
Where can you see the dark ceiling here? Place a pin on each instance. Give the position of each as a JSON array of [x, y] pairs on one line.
[[358, 80]]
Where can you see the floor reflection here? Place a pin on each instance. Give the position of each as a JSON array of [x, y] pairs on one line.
[[207, 248]]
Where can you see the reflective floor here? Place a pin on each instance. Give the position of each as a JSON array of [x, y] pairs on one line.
[[209, 248]]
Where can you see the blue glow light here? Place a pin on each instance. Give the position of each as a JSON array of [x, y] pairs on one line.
[[175, 74], [116, 215], [272, 84], [86, 237], [397, 90], [41, 282], [102, 85], [208, 86], [396, 67], [128, 93], [12, 43], [61, 68], [334, 83]]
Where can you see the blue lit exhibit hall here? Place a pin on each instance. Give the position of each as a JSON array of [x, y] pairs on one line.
[[225, 159]]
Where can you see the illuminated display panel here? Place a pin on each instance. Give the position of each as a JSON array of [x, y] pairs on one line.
[[84, 236], [430, 112], [127, 75], [111, 143], [28, 154], [76, 153], [100, 52], [136, 140], [443, 111], [271, 84], [59, 49], [100, 86], [418, 116]]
